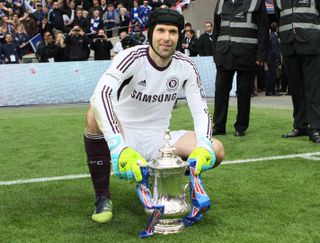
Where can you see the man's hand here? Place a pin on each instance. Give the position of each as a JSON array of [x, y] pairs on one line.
[[128, 164], [125, 160], [204, 156]]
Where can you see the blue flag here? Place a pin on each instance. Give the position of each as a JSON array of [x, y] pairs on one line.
[[35, 41]]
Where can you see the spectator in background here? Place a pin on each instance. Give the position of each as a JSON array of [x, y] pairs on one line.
[[117, 13], [124, 21], [85, 14], [42, 45], [8, 24], [10, 50], [95, 6], [46, 10], [81, 21], [45, 26], [205, 40], [3, 32], [13, 22], [138, 36], [21, 39], [56, 17], [48, 52], [189, 44], [187, 26], [68, 18], [2, 10], [96, 23], [103, 7], [60, 54], [273, 61], [118, 46], [144, 12], [77, 44], [30, 24], [18, 7], [134, 14], [38, 13], [109, 19], [101, 46]]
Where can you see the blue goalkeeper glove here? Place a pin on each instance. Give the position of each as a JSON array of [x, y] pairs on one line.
[[125, 160], [204, 155]]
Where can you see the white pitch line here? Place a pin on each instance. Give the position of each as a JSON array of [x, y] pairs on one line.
[[308, 156], [44, 179]]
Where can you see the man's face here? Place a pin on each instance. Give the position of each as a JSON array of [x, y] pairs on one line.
[[79, 13], [46, 36], [165, 39], [123, 34], [100, 32], [56, 5], [50, 39], [208, 27], [96, 13], [39, 7], [8, 39]]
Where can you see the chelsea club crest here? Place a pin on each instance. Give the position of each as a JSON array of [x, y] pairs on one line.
[[172, 83]]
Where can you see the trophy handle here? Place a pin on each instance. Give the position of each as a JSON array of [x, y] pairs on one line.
[[186, 186]]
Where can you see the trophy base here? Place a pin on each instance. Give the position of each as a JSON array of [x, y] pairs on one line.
[[169, 226]]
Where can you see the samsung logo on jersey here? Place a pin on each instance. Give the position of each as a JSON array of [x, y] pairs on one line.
[[153, 98]]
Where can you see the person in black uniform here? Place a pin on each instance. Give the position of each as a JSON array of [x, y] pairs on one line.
[[299, 30], [240, 40]]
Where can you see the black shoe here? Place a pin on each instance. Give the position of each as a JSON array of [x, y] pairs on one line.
[[295, 133], [218, 132], [314, 136], [239, 134]]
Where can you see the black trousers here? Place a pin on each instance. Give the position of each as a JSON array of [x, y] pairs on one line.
[[304, 85], [224, 81], [271, 79]]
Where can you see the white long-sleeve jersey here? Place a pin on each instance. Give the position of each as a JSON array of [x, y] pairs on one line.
[[138, 94]]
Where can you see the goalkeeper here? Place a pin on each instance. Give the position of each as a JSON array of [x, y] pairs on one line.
[[131, 108]]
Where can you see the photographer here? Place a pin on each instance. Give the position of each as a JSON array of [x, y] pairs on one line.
[[77, 44], [101, 46]]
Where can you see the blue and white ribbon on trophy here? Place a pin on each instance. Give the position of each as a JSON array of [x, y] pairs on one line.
[[142, 189], [199, 198]]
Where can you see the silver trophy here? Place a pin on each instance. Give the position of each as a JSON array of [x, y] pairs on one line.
[[168, 188]]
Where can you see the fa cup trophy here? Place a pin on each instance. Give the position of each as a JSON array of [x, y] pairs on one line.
[[168, 205]]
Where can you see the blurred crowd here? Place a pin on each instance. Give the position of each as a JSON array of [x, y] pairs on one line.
[[66, 30]]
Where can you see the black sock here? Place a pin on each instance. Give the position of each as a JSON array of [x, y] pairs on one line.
[[98, 158]]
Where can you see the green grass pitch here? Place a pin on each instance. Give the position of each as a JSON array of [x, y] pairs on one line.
[[265, 201]]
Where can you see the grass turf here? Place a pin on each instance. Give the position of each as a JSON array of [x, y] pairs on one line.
[[269, 201]]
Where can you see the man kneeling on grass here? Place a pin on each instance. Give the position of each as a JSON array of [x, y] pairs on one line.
[[131, 108]]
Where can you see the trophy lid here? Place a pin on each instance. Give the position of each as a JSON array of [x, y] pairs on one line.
[[168, 158]]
